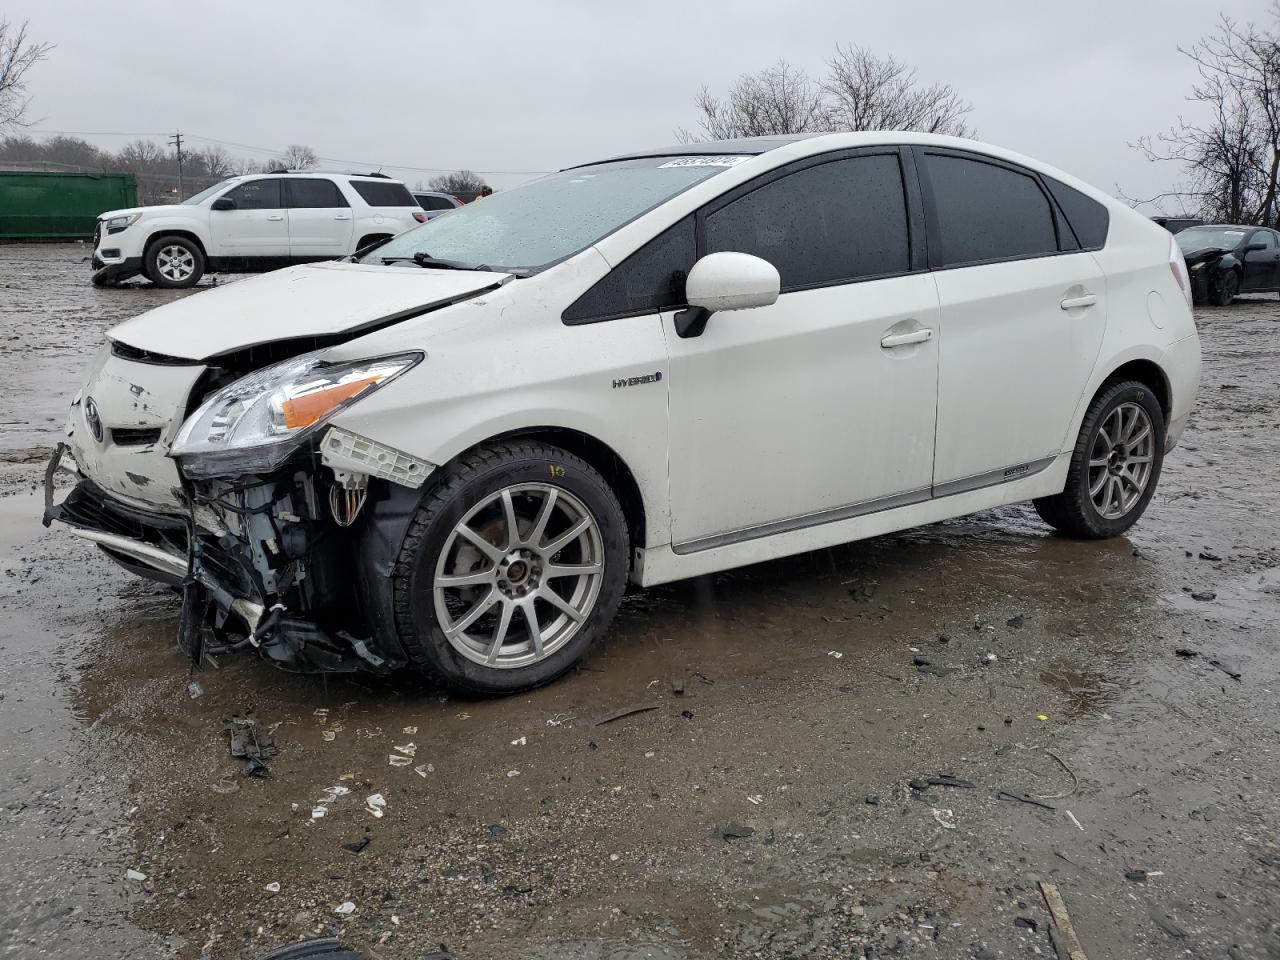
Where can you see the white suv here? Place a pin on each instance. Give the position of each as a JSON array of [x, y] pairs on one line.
[[452, 452], [251, 223]]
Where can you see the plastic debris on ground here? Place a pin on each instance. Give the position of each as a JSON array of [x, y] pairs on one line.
[[346, 908], [248, 741], [735, 831], [137, 875], [376, 804], [272, 887], [396, 760], [945, 818], [423, 769]]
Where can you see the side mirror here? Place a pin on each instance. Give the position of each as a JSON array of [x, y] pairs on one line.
[[1255, 246], [223, 203], [725, 281]]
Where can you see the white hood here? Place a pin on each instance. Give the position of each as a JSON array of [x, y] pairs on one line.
[[315, 300]]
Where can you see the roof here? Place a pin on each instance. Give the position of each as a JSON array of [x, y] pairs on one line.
[[751, 146]]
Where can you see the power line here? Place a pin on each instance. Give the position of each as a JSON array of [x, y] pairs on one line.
[[276, 152]]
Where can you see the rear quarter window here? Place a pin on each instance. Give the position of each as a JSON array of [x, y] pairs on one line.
[[381, 193], [1088, 218]]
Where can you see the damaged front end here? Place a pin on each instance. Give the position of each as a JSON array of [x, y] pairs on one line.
[[280, 530]]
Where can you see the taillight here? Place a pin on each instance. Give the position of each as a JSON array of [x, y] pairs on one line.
[[420, 216], [1179, 267]]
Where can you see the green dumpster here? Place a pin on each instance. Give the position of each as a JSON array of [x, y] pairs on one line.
[[59, 206]]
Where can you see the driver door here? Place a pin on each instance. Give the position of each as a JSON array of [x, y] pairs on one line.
[[1262, 267], [822, 405], [258, 226]]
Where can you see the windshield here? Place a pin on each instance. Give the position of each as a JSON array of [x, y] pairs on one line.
[[531, 227], [1198, 238], [208, 192]]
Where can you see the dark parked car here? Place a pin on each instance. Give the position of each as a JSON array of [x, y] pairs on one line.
[[436, 203], [1227, 260], [1177, 224]]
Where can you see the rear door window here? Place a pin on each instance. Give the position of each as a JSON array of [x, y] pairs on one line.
[[1088, 218], [435, 203], [305, 194], [258, 195], [987, 212], [833, 222], [384, 193]]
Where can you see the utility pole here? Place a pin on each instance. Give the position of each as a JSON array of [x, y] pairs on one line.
[[176, 142]]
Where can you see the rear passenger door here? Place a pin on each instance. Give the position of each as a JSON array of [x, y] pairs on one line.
[[1262, 267], [820, 406], [258, 225], [1023, 311], [320, 223]]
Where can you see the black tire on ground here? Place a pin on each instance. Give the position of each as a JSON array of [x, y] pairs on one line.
[[164, 276], [459, 487], [1228, 287], [1073, 511]]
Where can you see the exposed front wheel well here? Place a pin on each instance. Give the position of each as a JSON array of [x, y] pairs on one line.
[[1148, 374], [185, 234], [605, 461]]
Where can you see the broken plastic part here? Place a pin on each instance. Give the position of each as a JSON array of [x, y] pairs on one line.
[[348, 453]]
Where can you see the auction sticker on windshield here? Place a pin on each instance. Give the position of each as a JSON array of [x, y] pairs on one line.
[[704, 162]]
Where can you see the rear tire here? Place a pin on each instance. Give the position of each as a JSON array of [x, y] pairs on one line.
[[173, 262], [1115, 465], [478, 634]]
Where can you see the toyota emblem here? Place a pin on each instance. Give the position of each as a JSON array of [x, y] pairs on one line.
[[92, 419]]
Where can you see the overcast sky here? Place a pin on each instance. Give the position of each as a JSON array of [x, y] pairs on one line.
[[524, 87]]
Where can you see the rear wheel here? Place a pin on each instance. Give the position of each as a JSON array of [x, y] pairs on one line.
[[173, 261], [513, 567], [1115, 466]]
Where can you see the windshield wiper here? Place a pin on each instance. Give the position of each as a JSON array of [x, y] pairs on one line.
[[424, 259]]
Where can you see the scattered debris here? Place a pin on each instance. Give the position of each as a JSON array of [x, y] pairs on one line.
[[755, 798], [1016, 622], [408, 749], [137, 875], [398, 761], [735, 831], [376, 804], [329, 735], [920, 661], [346, 908], [1208, 555], [1061, 934], [423, 769], [677, 685], [249, 742], [560, 719], [1227, 667], [1023, 798], [318, 812], [1137, 876], [410, 730], [1186, 652], [1204, 596], [873, 800], [687, 714], [519, 741], [703, 678], [1029, 923], [224, 786], [835, 653], [1075, 781], [1042, 716], [945, 818], [1072, 817], [1167, 924], [947, 780], [272, 887], [627, 712], [512, 773], [194, 690], [358, 846]]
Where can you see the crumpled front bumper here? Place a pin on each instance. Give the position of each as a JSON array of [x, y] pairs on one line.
[[309, 620]]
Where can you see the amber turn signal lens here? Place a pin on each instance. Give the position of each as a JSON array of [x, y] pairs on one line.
[[307, 409]]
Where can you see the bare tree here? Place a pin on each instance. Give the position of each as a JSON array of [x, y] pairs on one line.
[[1230, 154], [217, 163], [141, 156], [18, 54], [867, 92], [780, 99], [464, 184], [298, 157], [860, 92]]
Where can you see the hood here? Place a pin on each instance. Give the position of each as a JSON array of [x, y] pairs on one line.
[[128, 210], [1204, 253], [317, 300]]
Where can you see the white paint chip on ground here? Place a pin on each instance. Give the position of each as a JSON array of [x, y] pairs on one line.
[[346, 908]]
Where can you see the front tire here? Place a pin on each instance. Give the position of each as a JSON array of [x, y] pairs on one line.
[[1228, 288], [513, 566], [1115, 465], [173, 262]]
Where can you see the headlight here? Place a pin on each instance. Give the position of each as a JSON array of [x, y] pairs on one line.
[[119, 224], [254, 424], [1199, 266]]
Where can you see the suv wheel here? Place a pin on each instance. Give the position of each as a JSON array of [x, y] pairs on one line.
[[173, 261], [513, 566], [1115, 466]]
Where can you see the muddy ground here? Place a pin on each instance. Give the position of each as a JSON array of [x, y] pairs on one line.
[[522, 828]]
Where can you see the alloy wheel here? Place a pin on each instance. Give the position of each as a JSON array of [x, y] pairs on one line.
[[1120, 460], [518, 575], [175, 263]]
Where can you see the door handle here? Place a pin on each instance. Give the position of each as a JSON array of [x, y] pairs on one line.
[[342, 216], [1088, 300], [903, 339], [275, 216]]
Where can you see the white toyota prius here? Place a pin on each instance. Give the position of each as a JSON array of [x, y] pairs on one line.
[[452, 452]]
